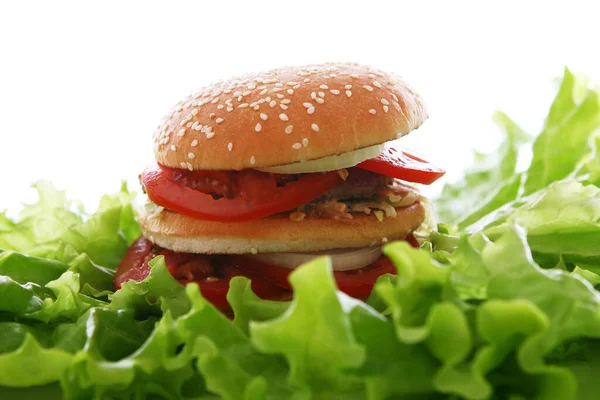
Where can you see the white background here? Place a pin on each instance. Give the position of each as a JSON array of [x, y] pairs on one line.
[[82, 85]]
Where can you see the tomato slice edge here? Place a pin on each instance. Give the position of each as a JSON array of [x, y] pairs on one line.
[[184, 200]]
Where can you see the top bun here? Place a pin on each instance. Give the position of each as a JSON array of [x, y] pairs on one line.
[[285, 116]]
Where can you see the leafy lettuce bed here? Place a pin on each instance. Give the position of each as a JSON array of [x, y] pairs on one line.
[[499, 304]]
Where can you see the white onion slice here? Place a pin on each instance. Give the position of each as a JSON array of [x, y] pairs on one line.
[[342, 259], [345, 160]]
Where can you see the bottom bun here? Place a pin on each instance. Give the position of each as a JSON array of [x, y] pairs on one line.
[[278, 233]]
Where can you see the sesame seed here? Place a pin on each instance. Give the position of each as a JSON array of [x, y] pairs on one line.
[[348, 93], [181, 132], [194, 112], [307, 105], [296, 87], [372, 111], [311, 110], [246, 93], [253, 250], [371, 76], [305, 142], [194, 143], [278, 84], [173, 147], [189, 166], [319, 100], [280, 96], [268, 98], [306, 80], [191, 156], [251, 87], [263, 92], [230, 146], [283, 117], [355, 76], [377, 84], [348, 87], [219, 120], [289, 129], [256, 107], [212, 115], [369, 88], [385, 109], [273, 103], [313, 95], [277, 89], [198, 127], [264, 116], [229, 109], [315, 127], [210, 135], [220, 107], [384, 101], [290, 91], [215, 100], [292, 83], [297, 146], [283, 106], [252, 161], [395, 97], [324, 87], [335, 91], [258, 127], [321, 94], [286, 101], [237, 93], [243, 105], [183, 165]]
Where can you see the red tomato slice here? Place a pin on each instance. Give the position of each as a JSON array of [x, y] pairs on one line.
[[402, 164], [233, 196], [212, 274], [356, 283], [412, 240]]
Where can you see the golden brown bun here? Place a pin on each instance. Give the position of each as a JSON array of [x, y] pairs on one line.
[[277, 234], [285, 116]]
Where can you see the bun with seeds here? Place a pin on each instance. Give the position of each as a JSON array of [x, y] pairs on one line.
[[257, 174], [305, 113]]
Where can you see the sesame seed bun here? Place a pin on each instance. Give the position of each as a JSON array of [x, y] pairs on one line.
[[285, 116], [277, 234]]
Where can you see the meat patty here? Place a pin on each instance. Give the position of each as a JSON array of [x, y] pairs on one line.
[[360, 184]]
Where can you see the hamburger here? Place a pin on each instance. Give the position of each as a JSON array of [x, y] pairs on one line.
[[258, 174]]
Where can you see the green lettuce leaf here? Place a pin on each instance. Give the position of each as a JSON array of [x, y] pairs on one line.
[[46, 228], [527, 314], [314, 333], [558, 150], [24, 269], [17, 298], [562, 221], [490, 183]]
